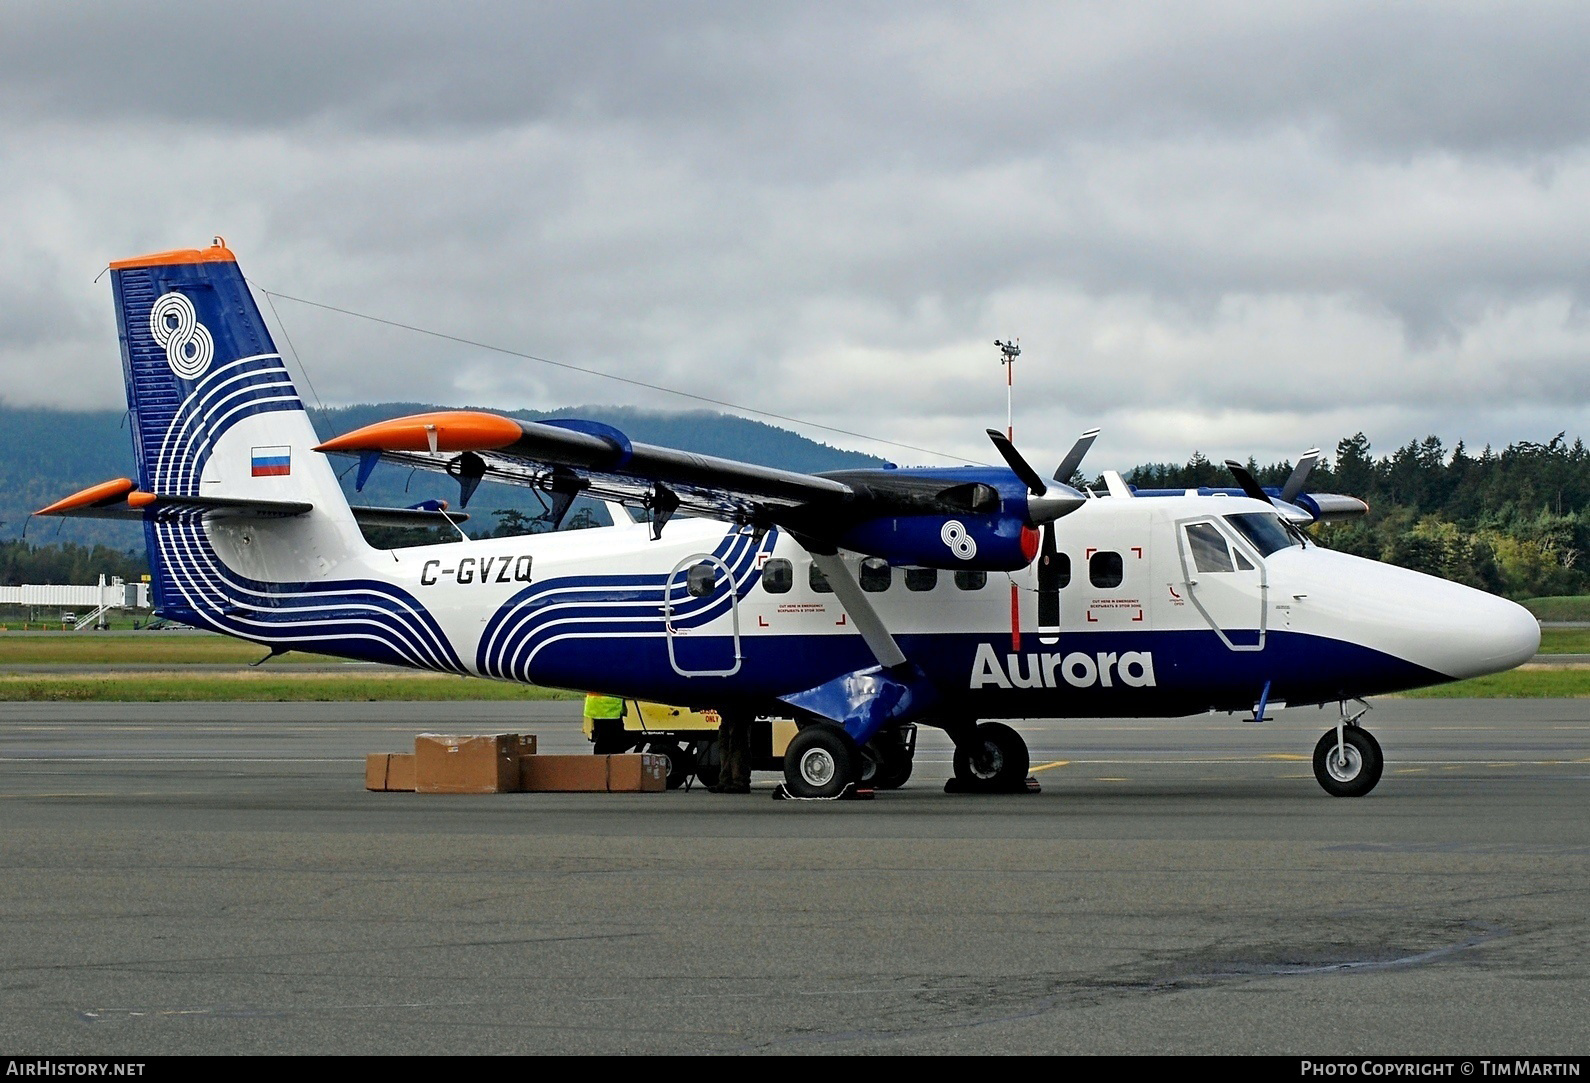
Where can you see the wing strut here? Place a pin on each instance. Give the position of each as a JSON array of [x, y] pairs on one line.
[[851, 596]]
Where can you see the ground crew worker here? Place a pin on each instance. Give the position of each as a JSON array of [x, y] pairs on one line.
[[734, 752], [603, 713]]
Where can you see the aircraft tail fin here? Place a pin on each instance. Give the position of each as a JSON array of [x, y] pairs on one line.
[[218, 426]]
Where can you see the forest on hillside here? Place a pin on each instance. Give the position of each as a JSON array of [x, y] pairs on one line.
[[1514, 522]]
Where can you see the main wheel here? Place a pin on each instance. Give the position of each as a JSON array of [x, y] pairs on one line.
[[1354, 770], [994, 759], [680, 762], [707, 766], [820, 761], [886, 761]]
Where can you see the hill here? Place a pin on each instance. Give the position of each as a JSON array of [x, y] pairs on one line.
[[46, 454]]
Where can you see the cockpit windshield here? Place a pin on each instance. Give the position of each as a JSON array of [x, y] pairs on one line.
[[1264, 530]]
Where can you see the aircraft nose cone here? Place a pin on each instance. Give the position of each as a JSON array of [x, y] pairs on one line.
[[1492, 636]]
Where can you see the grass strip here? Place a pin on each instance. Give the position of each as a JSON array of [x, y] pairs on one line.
[[1528, 682], [157, 649], [265, 688], [1559, 607]]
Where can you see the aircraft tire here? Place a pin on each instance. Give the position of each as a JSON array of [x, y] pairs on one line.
[[993, 760], [886, 764], [706, 761], [680, 762], [1359, 774], [821, 761]]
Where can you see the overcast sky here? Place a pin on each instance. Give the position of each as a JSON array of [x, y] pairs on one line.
[[1240, 228]]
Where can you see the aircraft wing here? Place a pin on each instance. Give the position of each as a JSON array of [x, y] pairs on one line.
[[566, 458]]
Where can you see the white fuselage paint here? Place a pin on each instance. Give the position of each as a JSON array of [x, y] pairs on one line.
[[1444, 627]]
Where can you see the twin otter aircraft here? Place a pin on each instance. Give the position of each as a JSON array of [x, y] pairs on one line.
[[859, 602]]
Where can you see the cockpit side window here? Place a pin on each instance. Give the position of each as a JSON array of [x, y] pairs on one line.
[[1209, 550], [1264, 530]]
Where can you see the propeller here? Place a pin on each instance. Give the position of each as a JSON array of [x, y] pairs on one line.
[[468, 470], [1249, 483], [1046, 501], [1300, 473], [1291, 514]]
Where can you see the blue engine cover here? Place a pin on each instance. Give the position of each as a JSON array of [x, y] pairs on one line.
[[993, 543]]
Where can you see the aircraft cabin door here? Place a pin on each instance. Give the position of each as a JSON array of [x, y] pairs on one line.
[[1225, 580], [699, 593]]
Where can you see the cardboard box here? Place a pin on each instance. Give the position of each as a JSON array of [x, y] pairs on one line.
[[389, 772], [563, 774], [375, 771], [527, 744], [642, 773], [400, 772], [451, 764], [634, 773]]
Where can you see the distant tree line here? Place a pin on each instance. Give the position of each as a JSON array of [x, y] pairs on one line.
[[1514, 521], [23, 562]]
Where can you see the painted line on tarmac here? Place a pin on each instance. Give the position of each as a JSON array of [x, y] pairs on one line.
[[1048, 766]]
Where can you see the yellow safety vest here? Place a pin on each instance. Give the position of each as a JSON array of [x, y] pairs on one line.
[[603, 706]]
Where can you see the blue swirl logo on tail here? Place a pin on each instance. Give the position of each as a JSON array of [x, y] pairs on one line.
[[176, 329]]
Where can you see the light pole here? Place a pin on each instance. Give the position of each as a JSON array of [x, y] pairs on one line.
[[1008, 352]]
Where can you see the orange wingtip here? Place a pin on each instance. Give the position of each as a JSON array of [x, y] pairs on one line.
[[140, 500], [445, 430], [216, 253], [95, 496]]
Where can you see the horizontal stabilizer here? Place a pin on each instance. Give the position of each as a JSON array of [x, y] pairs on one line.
[[121, 499]]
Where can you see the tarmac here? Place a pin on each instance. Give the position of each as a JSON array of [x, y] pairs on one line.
[[213, 878]]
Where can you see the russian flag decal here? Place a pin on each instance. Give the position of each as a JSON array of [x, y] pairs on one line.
[[272, 462]]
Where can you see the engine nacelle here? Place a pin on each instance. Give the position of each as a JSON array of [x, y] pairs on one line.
[[993, 543]]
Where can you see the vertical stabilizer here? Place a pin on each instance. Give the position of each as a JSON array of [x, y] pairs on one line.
[[215, 414]]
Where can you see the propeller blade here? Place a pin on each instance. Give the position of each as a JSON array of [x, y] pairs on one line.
[[1023, 469], [1249, 484], [1073, 459], [468, 469], [1300, 473]]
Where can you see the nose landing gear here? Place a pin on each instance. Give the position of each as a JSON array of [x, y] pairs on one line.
[[1348, 761]]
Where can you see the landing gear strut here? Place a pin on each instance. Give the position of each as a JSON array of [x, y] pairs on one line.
[[886, 760], [1348, 761], [990, 758]]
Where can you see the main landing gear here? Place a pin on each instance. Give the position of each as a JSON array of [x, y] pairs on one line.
[[990, 757], [1348, 761], [822, 759]]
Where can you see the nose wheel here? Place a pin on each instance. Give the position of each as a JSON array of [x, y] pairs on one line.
[[1348, 761]]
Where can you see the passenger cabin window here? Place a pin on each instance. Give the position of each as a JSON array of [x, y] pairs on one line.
[[778, 576], [876, 575], [1054, 571], [1264, 530], [701, 579], [819, 581], [1106, 569], [971, 580], [1208, 546], [920, 579]]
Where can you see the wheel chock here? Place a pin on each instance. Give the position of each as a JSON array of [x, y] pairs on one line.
[[851, 792], [1026, 785]]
